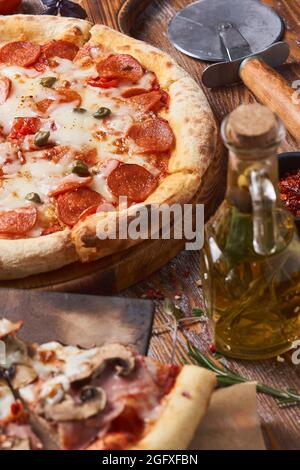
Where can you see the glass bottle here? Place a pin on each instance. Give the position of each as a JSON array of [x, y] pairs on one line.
[[250, 262]]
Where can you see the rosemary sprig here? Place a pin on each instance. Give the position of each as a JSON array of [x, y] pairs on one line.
[[227, 377]]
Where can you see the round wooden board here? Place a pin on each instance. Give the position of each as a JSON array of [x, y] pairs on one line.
[[121, 270]]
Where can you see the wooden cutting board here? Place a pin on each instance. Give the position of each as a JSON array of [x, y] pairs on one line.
[[79, 320], [117, 272]]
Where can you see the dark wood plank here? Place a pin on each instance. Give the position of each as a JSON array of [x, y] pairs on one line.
[[83, 320]]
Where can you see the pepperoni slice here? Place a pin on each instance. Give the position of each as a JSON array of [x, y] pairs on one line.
[[66, 186], [68, 96], [5, 88], [18, 221], [24, 126], [133, 92], [60, 48], [52, 229], [133, 181], [122, 66], [147, 101], [72, 204], [152, 135], [101, 82], [43, 105], [20, 53]]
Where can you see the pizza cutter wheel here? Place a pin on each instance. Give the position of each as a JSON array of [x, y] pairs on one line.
[[241, 37]]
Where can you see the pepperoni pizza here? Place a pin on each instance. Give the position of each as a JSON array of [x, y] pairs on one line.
[[88, 115], [105, 398]]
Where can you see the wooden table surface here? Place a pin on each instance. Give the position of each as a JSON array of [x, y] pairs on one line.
[[178, 279]]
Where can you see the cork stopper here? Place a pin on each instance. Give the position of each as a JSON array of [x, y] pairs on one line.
[[252, 126]]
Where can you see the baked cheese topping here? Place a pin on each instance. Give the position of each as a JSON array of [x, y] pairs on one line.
[[78, 130]]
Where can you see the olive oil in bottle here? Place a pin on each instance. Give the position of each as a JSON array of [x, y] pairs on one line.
[[250, 263]]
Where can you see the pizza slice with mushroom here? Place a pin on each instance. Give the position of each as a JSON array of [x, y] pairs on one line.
[[107, 398]]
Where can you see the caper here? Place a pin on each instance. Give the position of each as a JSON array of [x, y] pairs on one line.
[[79, 110], [48, 82], [34, 197], [80, 168], [41, 138], [102, 113]]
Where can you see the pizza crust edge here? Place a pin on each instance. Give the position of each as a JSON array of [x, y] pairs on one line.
[[40, 28]]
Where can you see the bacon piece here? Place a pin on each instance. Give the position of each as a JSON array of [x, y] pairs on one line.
[[79, 434]]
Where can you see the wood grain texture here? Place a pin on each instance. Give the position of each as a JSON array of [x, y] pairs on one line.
[[178, 278], [129, 13]]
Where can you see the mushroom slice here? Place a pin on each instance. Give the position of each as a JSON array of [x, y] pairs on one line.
[[92, 362], [21, 375], [15, 351], [118, 355], [69, 410]]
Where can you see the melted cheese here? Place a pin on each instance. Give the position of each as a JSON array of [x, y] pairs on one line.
[[79, 131]]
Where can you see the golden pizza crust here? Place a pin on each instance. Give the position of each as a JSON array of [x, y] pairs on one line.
[[189, 115], [182, 412], [24, 257]]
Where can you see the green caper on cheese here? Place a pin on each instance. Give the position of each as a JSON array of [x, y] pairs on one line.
[[41, 138], [80, 168], [48, 82]]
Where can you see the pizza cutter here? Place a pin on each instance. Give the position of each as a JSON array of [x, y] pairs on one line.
[[241, 36]]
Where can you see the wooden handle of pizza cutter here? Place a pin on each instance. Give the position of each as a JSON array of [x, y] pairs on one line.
[[271, 89]]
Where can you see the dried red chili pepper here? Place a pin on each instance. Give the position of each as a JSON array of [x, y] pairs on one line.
[[289, 187]]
